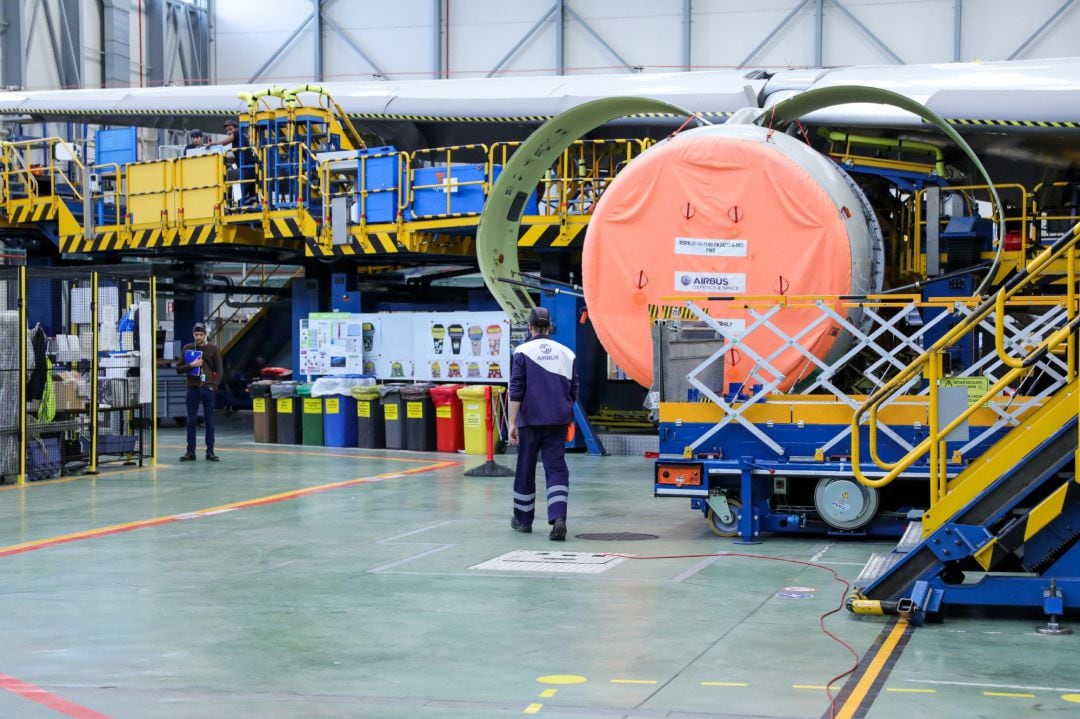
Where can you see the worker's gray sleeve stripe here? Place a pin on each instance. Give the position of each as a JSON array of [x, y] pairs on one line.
[[525, 497], [556, 500], [525, 507]]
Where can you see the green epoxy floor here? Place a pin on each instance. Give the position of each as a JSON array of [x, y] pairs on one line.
[[359, 601]]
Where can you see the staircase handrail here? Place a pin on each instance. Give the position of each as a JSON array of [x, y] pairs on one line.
[[929, 363]]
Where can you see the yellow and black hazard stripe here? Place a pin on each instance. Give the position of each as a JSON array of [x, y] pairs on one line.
[[544, 236], [102, 242], [1013, 123], [283, 228], [1028, 526], [673, 312], [27, 214], [199, 235], [71, 244], [146, 239], [509, 118], [446, 215], [375, 243], [355, 115]]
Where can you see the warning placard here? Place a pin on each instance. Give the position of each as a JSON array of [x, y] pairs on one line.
[[977, 387]]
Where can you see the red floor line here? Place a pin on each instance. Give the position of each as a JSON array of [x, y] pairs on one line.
[[242, 504], [47, 699], [306, 453]]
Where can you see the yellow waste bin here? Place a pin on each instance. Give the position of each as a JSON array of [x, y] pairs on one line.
[[477, 416]]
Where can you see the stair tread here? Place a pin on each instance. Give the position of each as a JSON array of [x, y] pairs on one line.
[[878, 564], [911, 539]]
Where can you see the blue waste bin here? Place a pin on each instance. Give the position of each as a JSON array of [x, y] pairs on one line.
[[339, 421]]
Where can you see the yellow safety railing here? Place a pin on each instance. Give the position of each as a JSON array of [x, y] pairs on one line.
[[295, 186], [348, 177], [24, 179], [102, 198], [574, 184], [929, 365], [913, 259], [448, 164], [1050, 217]]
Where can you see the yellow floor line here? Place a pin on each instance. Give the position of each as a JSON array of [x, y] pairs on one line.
[[819, 687], [1013, 695], [854, 700], [548, 693], [533, 708]]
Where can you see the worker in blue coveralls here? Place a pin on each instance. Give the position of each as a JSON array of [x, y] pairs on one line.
[[543, 389]]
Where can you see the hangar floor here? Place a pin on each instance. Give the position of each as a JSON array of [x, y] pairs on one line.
[[317, 582]]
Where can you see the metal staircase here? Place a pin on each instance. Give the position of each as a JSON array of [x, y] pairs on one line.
[[1004, 531]]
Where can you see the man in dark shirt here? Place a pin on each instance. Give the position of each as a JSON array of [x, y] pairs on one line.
[[201, 362], [195, 141], [543, 389]]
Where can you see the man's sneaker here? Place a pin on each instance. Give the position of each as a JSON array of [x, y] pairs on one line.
[[558, 532], [189, 457], [211, 457], [519, 527]]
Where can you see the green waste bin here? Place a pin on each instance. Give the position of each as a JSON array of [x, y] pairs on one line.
[[312, 409], [477, 416], [370, 425]]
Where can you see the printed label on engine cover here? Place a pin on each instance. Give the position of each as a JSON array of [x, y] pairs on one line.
[[706, 247]]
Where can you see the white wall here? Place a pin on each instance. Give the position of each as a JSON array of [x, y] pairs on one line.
[[399, 36]]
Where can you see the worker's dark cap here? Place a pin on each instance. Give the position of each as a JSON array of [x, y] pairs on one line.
[[539, 317], [231, 123], [196, 133], [199, 327]]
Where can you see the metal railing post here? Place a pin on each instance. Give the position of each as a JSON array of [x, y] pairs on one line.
[[95, 337], [22, 375]]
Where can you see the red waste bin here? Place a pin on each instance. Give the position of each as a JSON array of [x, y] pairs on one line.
[[449, 428]]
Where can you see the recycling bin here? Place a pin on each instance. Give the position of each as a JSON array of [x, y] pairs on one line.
[[419, 418], [289, 419], [449, 430], [477, 416], [393, 407], [312, 412], [265, 410], [341, 426], [370, 424]]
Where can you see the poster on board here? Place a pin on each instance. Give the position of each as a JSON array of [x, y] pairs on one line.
[[401, 346], [462, 347]]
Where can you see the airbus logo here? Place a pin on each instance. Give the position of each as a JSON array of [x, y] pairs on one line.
[[731, 282], [545, 349]]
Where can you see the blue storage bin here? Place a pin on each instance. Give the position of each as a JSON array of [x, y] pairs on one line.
[[119, 146], [465, 182], [42, 458], [381, 178], [339, 421]]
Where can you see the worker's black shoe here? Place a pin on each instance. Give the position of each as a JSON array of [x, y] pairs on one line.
[[519, 527], [558, 532], [188, 457], [211, 457]]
